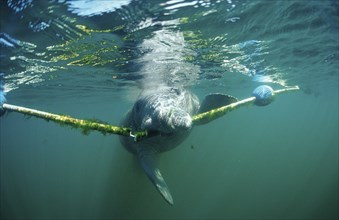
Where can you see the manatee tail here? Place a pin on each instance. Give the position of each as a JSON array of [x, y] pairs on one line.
[[153, 173]]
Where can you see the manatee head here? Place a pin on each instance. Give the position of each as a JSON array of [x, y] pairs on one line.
[[167, 120], [162, 112]]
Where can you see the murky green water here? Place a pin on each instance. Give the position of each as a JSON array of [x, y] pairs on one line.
[[273, 162]]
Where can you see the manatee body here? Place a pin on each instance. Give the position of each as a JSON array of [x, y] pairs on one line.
[[166, 113]]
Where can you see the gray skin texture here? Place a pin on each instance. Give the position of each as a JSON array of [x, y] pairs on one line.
[[166, 111]]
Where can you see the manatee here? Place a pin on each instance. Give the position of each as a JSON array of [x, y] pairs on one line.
[[166, 113]]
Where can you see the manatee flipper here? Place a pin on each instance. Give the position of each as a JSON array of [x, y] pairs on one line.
[[216, 100], [153, 173]]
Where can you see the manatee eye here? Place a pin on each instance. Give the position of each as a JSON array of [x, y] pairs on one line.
[[175, 90]]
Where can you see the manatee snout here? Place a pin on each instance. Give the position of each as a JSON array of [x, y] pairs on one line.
[[178, 120], [168, 120]]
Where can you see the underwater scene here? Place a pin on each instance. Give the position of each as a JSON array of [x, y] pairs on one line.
[[166, 68]]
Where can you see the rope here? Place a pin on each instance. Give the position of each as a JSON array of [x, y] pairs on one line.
[[213, 114], [87, 125]]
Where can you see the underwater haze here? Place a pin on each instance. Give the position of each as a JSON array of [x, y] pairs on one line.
[[91, 59]]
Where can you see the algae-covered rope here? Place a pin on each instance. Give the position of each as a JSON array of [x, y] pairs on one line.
[[84, 125], [262, 95]]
